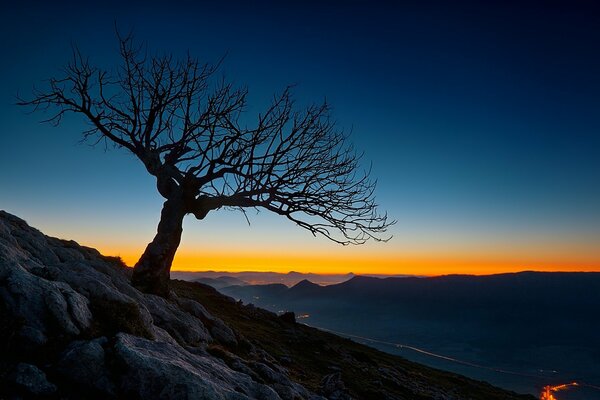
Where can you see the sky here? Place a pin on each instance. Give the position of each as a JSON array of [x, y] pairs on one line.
[[481, 120]]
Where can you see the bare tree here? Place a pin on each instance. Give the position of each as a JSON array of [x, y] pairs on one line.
[[191, 132]]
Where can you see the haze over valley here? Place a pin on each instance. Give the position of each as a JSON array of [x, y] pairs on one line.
[[522, 331]]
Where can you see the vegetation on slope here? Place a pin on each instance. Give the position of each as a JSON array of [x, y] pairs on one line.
[[310, 354]]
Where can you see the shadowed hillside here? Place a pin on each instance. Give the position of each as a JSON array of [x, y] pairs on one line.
[[543, 326], [221, 281], [310, 354], [73, 327]]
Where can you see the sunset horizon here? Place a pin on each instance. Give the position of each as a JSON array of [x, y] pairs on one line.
[[378, 259], [303, 253]]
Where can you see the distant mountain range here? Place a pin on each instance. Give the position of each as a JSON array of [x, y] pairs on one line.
[[529, 322], [537, 295], [221, 281], [219, 278]]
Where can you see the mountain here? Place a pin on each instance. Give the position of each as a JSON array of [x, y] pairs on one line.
[[533, 296], [73, 327], [304, 286], [264, 278], [221, 281], [521, 322]]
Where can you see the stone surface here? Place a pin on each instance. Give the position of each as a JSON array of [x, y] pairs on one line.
[[181, 325], [289, 317], [83, 363], [74, 312], [333, 387], [166, 371], [218, 330], [31, 380]]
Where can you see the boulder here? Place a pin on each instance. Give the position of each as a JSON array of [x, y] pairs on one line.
[[333, 388], [83, 364], [217, 328], [43, 306], [161, 370], [74, 312], [31, 380], [181, 325], [288, 317]]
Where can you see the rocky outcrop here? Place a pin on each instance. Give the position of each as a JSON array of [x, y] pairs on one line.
[[73, 327], [84, 363], [333, 387], [76, 328], [30, 379], [160, 370]]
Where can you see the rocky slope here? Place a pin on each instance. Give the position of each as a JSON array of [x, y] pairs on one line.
[[73, 327]]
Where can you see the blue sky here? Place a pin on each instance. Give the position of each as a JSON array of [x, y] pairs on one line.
[[480, 118]]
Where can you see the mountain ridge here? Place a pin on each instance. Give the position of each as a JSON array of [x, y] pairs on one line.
[[527, 321]]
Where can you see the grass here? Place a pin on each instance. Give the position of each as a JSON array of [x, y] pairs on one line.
[[310, 354]]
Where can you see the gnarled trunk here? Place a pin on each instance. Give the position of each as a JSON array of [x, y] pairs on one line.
[[151, 273]]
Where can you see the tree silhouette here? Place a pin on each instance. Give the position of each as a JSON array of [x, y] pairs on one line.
[[190, 130]]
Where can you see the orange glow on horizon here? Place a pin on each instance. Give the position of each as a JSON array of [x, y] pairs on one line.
[[388, 264]]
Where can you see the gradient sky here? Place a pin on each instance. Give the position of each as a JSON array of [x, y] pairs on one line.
[[482, 121]]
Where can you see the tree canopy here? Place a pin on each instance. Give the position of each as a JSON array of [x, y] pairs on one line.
[[191, 130]]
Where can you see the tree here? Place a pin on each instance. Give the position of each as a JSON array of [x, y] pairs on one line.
[[190, 131]]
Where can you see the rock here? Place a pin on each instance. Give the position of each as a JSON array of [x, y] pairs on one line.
[[113, 310], [285, 360], [165, 371], [83, 364], [43, 305], [57, 296], [239, 365], [66, 251], [182, 326], [279, 380], [288, 317], [32, 336], [160, 335], [333, 387], [28, 241], [32, 380], [223, 334], [217, 328], [268, 374]]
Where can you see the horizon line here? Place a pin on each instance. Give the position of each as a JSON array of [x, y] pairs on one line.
[[387, 275]]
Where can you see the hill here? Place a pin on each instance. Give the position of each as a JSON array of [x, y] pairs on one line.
[[263, 278], [73, 327], [221, 281], [542, 326]]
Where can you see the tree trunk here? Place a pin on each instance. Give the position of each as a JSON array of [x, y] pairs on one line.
[[151, 273]]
